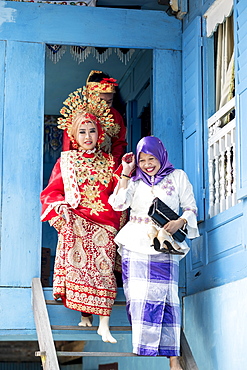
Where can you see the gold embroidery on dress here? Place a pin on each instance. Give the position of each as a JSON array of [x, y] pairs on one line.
[[102, 173], [100, 238], [103, 263], [57, 222], [77, 256], [78, 229]]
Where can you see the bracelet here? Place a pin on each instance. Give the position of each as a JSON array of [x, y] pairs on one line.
[[126, 176], [184, 220]]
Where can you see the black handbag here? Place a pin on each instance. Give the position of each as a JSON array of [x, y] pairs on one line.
[[160, 213]]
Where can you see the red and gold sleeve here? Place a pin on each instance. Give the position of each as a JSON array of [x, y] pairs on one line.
[[53, 195]]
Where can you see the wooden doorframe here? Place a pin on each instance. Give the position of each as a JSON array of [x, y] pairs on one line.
[[25, 28]]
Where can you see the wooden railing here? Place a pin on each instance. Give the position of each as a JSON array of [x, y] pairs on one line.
[[46, 344], [222, 159]]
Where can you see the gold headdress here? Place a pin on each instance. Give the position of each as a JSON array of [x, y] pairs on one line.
[[89, 104], [106, 85]]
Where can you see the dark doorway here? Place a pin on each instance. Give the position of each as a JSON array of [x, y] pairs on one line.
[[113, 366], [69, 72]]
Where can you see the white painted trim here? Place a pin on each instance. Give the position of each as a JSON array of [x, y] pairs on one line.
[[216, 14]]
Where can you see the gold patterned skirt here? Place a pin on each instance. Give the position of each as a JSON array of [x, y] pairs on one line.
[[84, 265]]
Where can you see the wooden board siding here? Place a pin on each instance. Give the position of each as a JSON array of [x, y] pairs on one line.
[[55, 24], [22, 159]]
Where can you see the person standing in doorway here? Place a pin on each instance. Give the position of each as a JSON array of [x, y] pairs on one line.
[[75, 202]]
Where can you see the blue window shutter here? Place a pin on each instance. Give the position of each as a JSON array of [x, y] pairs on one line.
[[240, 40], [192, 111]]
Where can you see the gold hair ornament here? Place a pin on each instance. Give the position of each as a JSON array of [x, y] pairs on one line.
[[90, 104]]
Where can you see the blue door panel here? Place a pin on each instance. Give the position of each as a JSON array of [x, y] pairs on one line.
[[191, 150], [192, 111], [167, 102], [220, 246], [22, 163]]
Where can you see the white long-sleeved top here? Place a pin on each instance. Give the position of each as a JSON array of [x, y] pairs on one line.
[[175, 190]]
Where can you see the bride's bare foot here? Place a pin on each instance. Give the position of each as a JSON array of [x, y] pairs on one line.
[[174, 363], [104, 330], [86, 321]]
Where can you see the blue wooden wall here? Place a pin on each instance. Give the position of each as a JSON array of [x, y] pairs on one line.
[[217, 264], [217, 257]]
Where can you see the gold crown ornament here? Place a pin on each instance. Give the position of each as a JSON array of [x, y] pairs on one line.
[[90, 104]]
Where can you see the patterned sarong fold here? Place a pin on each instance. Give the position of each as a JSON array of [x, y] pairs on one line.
[[150, 285], [84, 265]]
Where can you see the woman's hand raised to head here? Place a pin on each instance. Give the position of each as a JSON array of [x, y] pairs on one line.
[[128, 163]]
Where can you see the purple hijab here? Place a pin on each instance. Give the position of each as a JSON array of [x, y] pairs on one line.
[[154, 146]]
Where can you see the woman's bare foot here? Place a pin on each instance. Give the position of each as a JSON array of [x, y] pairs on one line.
[[104, 330], [86, 321], [174, 363]]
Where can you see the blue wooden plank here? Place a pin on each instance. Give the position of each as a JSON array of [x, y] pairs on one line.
[[215, 323], [192, 110], [224, 246], [128, 363], [192, 137], [22, 165], [16, 309], [193, 165], [167, 112], [240, 36], [74, 25], [225, 270], [191, 73], [223, 252], [240, 10], [197, 253], [241, 144], [167, 102], [2, 86]]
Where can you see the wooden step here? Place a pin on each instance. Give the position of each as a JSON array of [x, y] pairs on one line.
[[91, 354], [60, 303], [99, 354], [96, 354], [91, 328], [47, 348]]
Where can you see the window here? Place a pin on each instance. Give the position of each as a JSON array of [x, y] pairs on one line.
[[221, 125]]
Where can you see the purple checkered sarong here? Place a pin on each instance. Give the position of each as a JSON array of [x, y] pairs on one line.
[[150, 285]]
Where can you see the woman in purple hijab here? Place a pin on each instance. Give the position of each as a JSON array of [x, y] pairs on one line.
[[150, 277], [153, 146]]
